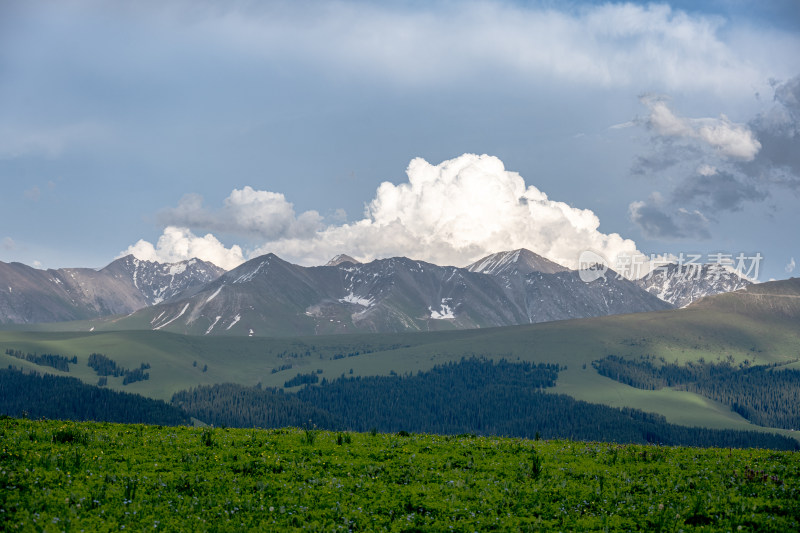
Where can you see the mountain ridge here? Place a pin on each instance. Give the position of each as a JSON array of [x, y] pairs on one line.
[[270, 296], [123, 286], [682, 285]]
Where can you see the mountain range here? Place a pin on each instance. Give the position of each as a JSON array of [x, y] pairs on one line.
[[29, 295], [268, 296]]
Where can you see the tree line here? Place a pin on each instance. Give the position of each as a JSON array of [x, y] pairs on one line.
[[234, 405], [104, 367], [471, 396], [302, 379], [475, 396], [60, 397], [766, 395], [59, 362]]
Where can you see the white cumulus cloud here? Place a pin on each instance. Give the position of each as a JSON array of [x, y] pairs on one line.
[[735, 141], [245, 211], [790, 266], [178, 244], [452, 213], [456, 212]]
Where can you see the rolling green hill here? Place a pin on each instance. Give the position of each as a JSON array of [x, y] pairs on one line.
[[759, 326]]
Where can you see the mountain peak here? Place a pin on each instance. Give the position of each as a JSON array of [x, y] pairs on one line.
[[342, 258], [521, 261], [682, 284], [132, 261], [161, 281]]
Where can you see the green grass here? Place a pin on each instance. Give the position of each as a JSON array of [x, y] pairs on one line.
[[710, 333], [87, 476]]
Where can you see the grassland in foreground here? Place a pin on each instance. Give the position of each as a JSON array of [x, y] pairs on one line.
[[57, 476]]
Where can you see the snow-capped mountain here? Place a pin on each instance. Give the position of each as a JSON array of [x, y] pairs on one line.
[[269, 296], [29, 295], [515, 262], [158, 282], [510, 269], [681, 285], [341, 258]]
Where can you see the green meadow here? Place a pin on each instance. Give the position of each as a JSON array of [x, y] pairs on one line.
[[70, 476]]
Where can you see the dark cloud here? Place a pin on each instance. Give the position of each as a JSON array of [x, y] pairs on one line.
[[778, 130], [657, 221], [667, 154], [720, 191], [708, 157]]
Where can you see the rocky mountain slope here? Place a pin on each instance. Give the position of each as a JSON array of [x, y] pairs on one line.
[[158, 282], [515, 263], [681, 285], [269, 296], [29, 295]]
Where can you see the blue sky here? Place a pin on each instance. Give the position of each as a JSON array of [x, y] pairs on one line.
[[227, 130]]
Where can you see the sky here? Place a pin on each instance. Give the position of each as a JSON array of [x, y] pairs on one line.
[[441, 131]]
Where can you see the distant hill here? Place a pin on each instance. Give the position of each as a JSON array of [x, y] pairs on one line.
[[775, 299]]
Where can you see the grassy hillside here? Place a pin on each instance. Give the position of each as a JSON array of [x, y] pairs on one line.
[[724, 327], [107, 476]]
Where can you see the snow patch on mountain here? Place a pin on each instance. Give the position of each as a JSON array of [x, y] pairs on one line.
[[244, 278], [236, 319], [216, 292], [213, 324], [178, 268], [353, 299], [156, 319], [444, 312], [185, 307]]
